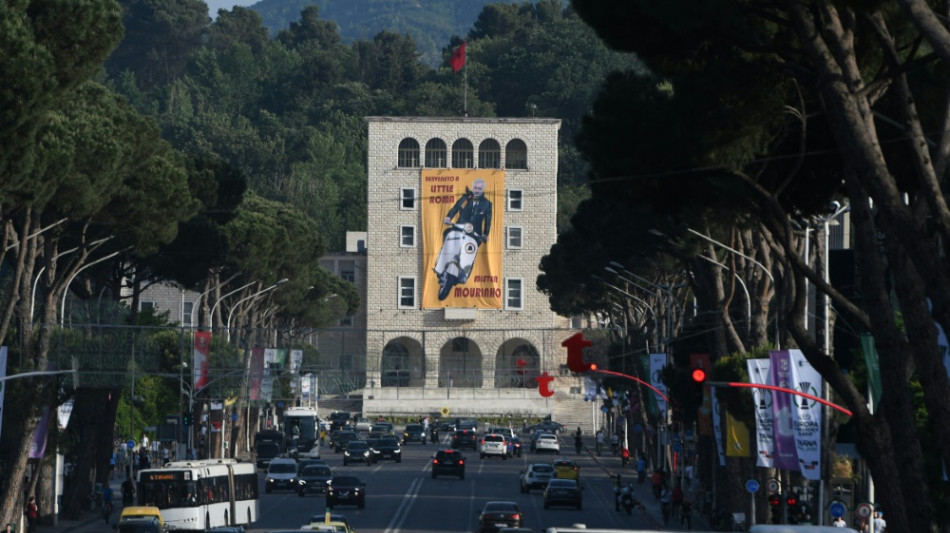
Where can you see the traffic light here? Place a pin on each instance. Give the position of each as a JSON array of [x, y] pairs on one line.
[[698, 375], [792, 501], [186, 418]]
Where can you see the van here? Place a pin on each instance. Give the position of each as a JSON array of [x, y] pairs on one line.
[[141, 511]]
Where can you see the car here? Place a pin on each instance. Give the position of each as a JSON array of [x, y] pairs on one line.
[[536, 476], [496, 515], [493, 444], [141, 511], [386, 427], [266, 452], [140, 525], [547, 442], [226, 529], [281, 474], [533, 439], [357, 451], [563, 492], [566, 469], [414, 433], [313, 478], [329, 517], [467, 423], [379, 434], [386, 448], [448, 462], [445, 426], [328, 527], [362, 424], [464, 438], [548, 426], [338, 419], [342, 438], [346, 490]]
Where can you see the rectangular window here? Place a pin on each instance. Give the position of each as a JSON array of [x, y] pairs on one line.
[[514, 237], [186, 313], [347, 321], [407, 292], [348, 271], [513, 294], [407, 199], [515, 200], [407, 236], [146, 305]]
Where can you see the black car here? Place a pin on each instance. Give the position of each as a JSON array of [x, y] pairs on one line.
[[496, 515], [347, 490], [386, 448], [562, 492], [265, 452], [414, 433], [448, 462], [357, 451], [338, 419], [548, 426], [464, 438], [342, 438], [313, 478]]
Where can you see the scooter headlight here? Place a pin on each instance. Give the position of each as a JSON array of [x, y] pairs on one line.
[[469, 227]]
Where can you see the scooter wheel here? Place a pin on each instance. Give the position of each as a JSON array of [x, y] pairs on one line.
[[446, 288]]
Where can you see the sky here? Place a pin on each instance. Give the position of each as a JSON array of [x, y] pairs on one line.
[[215, 5]]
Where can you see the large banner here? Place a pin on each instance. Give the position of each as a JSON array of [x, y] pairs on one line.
[[657, 364], [807, 415], [3, 383], [475, 201], [202, 349], [717, 426], [785, 455], [737, 437], [759, 375]]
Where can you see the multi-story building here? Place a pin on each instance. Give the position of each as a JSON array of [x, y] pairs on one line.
[[476, 347]]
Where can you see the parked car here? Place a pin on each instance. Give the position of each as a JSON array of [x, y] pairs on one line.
[[563, 492], [493, 444], [536, 476], [496, 515], [281, 474], [414, 433], [448, 462], [346, 490], [313, 478], [566, 469]]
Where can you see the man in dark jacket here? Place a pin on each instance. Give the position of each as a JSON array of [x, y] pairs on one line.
[[473, 207]]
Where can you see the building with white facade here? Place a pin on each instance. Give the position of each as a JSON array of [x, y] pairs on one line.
[[478, 351]]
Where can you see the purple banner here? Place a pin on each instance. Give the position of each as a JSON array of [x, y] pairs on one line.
[[780, 371], [38, 445]]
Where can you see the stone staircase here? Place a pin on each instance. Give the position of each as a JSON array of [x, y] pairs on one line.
[[574, 412]]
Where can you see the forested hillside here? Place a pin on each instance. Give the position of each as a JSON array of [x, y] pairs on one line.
[[430, 23]]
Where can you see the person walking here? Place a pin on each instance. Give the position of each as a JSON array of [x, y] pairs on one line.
[[600, 440], [32, 511], [838, 522], [641, 469], [880, 525], [666, 504], [106, 503]]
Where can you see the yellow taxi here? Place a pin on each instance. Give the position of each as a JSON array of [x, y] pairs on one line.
[[566, 469]]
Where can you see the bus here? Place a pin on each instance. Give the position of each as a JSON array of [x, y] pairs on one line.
[[198, 495], [301, 427]]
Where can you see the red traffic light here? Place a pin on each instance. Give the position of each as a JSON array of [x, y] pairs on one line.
[[791, 501], [775, 500], [698, 375]]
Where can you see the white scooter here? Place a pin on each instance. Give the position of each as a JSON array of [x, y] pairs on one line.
[[455, 260]]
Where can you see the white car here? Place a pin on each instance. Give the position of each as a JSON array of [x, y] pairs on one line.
[[493, 444], [547, 442], [536, 476]]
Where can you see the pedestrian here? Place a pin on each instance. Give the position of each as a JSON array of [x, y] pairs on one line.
[[32, 511], [657, 483], [838, 522], [106, 503], [641, 469], [880, 525], [677, 498], [112, 466], [128, 492], [666, 504], [624, 457], [578, 443], [614, 441], [686, 510], [600, 440]]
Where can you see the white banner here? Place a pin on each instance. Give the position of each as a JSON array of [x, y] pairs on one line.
[[657, 364], [717, 425], [765, 444], [3, 384], [63, 413], [806, 415], [296, 359], [305, 386]]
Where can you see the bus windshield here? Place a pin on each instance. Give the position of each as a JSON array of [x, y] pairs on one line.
[[172, 493], [300, 428]]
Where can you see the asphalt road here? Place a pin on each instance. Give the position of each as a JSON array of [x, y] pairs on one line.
[[403, 497]]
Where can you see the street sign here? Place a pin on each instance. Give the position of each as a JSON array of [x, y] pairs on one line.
[[752, 486], [836, 509], [864, 510], [772, 485], [130, 445]]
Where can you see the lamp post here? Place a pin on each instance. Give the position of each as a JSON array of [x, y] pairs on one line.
[[62, 307], [227, 326], [221, 299], [615, 268], [748, 300], [632, 297]]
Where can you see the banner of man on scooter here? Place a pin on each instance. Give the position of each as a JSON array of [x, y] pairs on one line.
[[462, 227]]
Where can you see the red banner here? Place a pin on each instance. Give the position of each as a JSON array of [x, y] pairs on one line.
[[202, 349]]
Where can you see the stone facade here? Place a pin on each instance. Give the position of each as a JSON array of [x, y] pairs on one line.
[[489, 356]]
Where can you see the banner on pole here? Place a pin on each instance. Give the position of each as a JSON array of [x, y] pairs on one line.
[[807, 415], [765, 445], [783, 429], [657, 364], [202, 350]]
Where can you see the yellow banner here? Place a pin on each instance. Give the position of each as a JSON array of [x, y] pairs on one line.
[[737, 437], [462, 234]]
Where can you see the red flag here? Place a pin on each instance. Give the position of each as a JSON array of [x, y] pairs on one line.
[[457, 61]]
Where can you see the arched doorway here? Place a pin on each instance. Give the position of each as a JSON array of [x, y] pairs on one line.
[[460, 364], [402, 364], [517, 363]]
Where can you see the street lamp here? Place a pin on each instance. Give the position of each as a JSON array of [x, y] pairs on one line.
[[227, 326], [221, 299], [615, 268], [748, 300], [62, 307]]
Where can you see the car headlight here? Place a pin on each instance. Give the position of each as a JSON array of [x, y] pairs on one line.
[[397, 450], [302, 482], [346, 453], [270, 480]]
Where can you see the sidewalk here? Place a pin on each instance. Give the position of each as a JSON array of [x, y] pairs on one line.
[[90, 521]]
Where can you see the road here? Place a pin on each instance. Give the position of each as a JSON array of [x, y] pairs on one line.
[[403, 497]]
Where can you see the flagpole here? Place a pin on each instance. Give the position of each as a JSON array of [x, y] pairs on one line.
[[465, 90]]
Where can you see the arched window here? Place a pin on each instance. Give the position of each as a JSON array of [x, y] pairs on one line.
[[395, 366], [435, 154], [463, 155], [408, 153], [516, 154], [489, 154]]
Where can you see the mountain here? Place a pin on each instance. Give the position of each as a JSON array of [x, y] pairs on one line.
[[431, 23]]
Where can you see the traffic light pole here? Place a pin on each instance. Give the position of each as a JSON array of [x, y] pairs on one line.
[[741, 384]]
